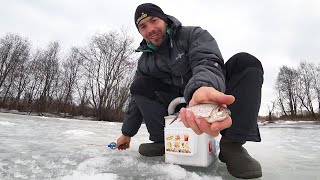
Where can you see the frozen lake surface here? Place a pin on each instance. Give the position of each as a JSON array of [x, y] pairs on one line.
[[33, 147]]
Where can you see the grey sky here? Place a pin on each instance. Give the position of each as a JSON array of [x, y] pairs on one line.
[[276, 32]]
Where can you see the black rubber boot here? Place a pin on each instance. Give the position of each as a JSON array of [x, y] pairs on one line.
[[151, 149], [239, 163]]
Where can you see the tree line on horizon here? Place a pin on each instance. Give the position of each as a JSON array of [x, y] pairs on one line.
[[297, 93], [94, 80]]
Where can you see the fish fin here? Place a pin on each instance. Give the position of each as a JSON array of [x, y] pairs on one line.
[[177, 115]]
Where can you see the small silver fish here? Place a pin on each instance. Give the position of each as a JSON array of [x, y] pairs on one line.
[[210, 112]]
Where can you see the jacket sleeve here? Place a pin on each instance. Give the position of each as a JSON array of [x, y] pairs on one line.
[[133, 118], [132, 121], [206, 63]]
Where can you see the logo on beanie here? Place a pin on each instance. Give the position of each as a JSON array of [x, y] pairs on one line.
[[143, 15]]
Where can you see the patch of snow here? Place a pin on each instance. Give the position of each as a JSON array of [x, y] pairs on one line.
[[6, 123]]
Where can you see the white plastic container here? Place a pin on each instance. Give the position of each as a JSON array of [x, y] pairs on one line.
[[185, 147]]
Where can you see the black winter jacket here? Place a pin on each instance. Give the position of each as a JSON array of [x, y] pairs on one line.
[[189, 58]]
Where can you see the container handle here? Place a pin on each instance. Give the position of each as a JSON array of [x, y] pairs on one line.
[[173, 104]]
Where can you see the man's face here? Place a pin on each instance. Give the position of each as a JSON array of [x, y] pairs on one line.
[[153, 29]]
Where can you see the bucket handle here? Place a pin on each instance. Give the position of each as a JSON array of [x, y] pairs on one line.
[[174, 103]]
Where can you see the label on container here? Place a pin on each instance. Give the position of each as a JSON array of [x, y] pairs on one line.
[[180, 141]]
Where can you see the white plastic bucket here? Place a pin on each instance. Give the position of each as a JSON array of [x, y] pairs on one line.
[[184, 147]]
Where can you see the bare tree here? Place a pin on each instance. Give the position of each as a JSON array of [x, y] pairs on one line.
[[18, 81], [45, 71], [271, 109], [14, 53], [70, 76], [82, 88], [36, 77], [107, 63], [280, 97], [121, 91], [286, 87], [316, 84], [306, 80]]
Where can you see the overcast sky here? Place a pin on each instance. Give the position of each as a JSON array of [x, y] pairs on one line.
[[278, 32]]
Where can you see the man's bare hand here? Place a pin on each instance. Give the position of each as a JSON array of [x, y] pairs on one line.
[[123, 142], [198, 124]]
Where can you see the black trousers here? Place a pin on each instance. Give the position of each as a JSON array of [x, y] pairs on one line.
[[244, 78]]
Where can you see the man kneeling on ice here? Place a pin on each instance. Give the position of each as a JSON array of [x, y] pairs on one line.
[[185, 61]]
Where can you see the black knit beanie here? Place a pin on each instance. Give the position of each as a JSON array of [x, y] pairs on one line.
[[146, 10]]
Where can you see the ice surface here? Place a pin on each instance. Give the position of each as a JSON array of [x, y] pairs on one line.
[[81, 176], [33, 147]]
